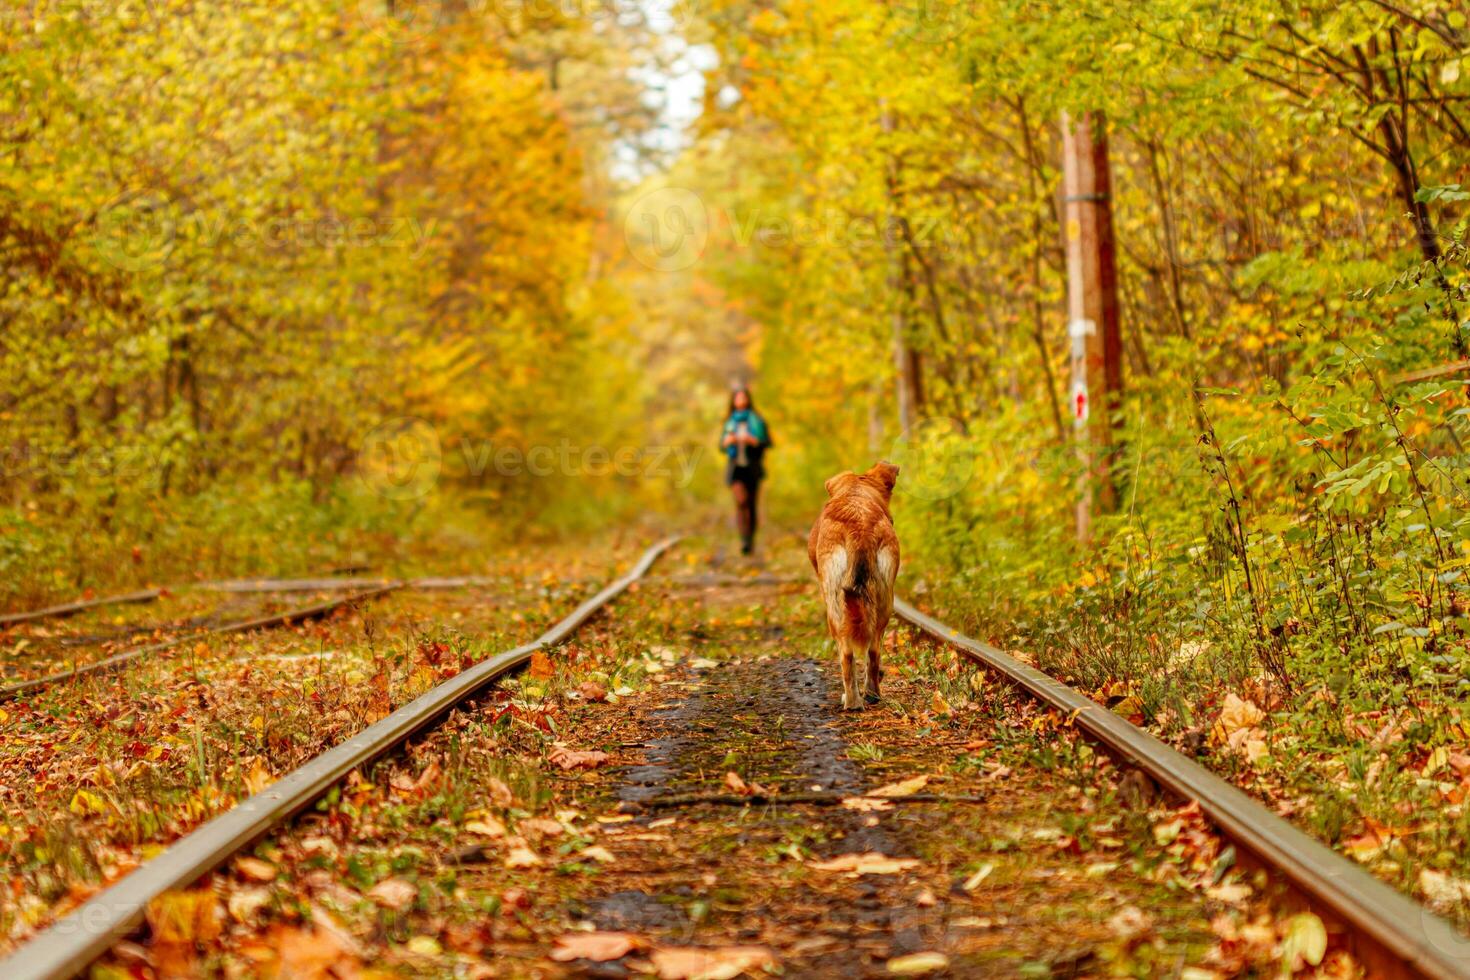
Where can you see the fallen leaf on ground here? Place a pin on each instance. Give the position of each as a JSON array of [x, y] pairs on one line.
[[737, 785], [243, 904], [597, 853], [917, 964], [575, 759], [486, 827], [592, 691], [871, 863], [541, 666], [500, 794], [254, 869], [975, 880], [1230, 892], [907, 787], [1442, 889], [542, 826], [393, 893], [179, 918], [720, 963], [599, 947], [308, 954], [1304, 941], [522, 857], [424, 946], [864, 805], [83, 803], [1130, 921]]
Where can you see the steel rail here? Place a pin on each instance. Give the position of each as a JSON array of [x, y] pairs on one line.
[[341, 584], [245, 585], [69, 945], [18, 688], [81, 605], [1403, 937]]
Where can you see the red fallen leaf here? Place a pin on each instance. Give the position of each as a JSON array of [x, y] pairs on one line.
[[599, 947], [470, 939], [541, 666], [428, 777], [574, 759], [592, 691], [514, 898]]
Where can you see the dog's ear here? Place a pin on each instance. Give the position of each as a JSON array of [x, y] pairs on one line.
[[840, 482], [886, 474]]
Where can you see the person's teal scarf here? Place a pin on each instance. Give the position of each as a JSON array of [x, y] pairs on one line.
[[751, 421]]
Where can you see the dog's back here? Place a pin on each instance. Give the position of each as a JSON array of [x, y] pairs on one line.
[[854, 551]]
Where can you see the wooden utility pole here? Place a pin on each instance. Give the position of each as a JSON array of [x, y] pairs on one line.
[[1092, 311]]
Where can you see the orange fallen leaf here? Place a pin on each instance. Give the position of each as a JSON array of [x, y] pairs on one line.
[[575, 759], [871, 863], [254, 869], [907, 787], [599, 947], [308, 954], [719, 963]]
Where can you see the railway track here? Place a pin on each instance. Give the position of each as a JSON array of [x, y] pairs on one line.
[[1391, 934], [1388, 933], [66, 609], [119, 660], [360, 589], [69, 945]]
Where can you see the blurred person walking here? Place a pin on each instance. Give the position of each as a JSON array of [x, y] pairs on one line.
[[745, 439]]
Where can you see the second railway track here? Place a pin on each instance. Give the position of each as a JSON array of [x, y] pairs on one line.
[[70, 944]]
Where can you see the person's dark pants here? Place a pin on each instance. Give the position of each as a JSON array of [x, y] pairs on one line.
[[745, 482]]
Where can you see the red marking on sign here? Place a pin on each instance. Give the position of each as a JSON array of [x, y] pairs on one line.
[[1079, 407]]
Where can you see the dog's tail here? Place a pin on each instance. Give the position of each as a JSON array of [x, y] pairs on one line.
[[854, 581]]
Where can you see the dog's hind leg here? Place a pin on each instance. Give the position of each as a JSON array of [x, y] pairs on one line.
[[850, 699], [875, 653]]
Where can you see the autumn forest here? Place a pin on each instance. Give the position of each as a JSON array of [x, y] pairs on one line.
[[429, 313]]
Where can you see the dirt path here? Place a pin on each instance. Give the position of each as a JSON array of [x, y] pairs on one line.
[[530, 836]]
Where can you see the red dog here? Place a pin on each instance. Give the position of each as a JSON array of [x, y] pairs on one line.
[[854, 551]]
